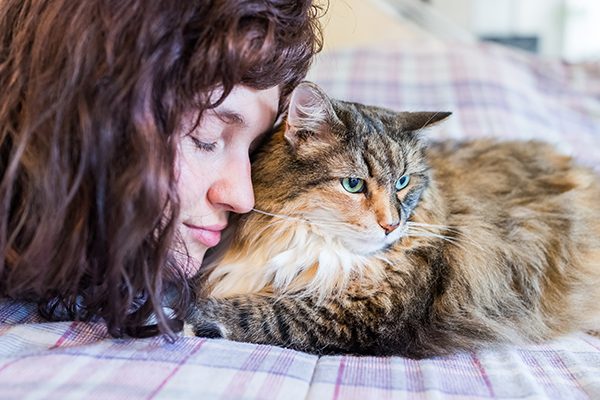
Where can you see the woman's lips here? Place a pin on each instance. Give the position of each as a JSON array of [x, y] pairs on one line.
[[210, 236]]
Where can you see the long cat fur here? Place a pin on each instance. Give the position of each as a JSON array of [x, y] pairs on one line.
[[497, 242]]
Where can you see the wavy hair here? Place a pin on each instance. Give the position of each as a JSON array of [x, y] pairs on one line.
[[93, 95]]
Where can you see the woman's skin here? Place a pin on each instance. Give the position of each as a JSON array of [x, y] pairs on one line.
[[214, 166]]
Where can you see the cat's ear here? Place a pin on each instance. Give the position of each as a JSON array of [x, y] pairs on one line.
[[310, 117], [415, 121]]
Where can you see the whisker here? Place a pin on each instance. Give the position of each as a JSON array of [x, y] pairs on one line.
[[385, 260], [454, 240], [441, 227], [463, 235], [309, 220], [441, 237], [429, 234], [277, 215]]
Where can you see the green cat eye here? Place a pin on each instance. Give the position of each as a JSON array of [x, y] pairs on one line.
[[402, 182], [353, 185]]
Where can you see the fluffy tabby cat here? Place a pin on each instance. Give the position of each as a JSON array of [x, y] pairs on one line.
[[366, 240]]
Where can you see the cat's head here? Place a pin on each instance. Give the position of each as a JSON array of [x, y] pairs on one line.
[[355, 172]]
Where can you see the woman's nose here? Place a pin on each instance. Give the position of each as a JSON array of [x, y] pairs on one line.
[[232, 189]]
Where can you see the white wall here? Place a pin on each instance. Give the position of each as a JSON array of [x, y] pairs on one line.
[[543, 18], [582, 30], [567, 28], [363, 22]]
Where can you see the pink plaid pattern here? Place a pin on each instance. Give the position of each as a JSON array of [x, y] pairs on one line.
[[492, 91]]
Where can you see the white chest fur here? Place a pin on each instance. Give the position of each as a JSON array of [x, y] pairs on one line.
[[291, 253]]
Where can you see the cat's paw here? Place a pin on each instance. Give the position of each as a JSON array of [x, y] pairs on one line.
[[202, 321], [595, 332], [208, 330]]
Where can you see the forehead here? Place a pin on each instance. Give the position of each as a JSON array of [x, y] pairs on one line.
[[368, 155], [377, 146], [250, 107], [242, 95]]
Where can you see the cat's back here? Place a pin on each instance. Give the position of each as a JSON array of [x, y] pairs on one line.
[[498, 183], [514, 171]]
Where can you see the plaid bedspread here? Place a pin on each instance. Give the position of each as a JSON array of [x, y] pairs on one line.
[[492, 92]]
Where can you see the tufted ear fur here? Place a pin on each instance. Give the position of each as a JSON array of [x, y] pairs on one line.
[[310, 118], [415, 121]]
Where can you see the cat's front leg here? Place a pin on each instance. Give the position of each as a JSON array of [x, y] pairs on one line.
[[297, 323]]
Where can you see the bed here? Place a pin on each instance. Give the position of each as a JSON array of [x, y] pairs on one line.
[[492, 91]]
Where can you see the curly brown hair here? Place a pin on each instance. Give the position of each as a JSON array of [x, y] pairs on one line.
[[93, 94]]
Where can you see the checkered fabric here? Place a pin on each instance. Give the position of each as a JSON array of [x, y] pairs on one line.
[[492, 91]]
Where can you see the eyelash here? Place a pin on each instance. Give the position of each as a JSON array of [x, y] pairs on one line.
[[203, 145]]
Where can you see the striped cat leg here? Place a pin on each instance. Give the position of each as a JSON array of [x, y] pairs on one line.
[[348, 326]]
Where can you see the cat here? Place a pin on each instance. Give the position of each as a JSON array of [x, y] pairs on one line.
[[367, 239]]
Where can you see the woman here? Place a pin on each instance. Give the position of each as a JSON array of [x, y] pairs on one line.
[[125, 129]]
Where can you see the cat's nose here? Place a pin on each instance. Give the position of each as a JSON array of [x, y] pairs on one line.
[[389, 228]]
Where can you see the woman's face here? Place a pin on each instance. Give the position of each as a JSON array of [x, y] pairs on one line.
[[214, 165]]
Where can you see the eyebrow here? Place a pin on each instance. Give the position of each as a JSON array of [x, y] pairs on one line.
[[230, 117]]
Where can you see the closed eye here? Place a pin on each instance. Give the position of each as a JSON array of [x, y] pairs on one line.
[[204, 146]]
